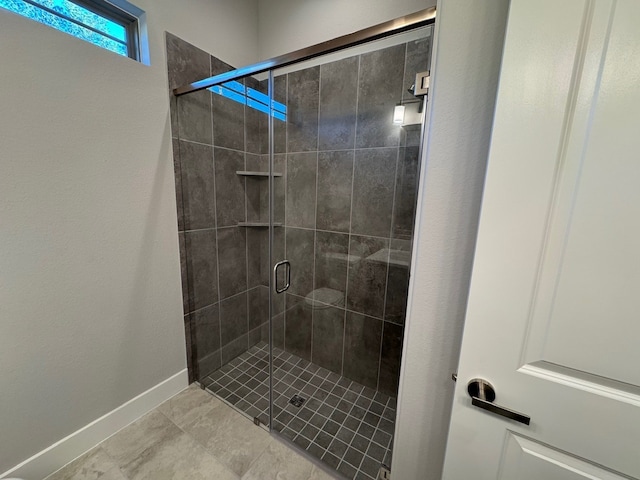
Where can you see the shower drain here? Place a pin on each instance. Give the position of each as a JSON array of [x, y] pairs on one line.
[[297, 401]]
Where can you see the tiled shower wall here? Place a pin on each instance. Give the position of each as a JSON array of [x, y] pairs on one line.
[[347, 201], [214, 137], [351, 186]]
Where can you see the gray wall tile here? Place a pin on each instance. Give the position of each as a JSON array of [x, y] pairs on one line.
[[256, 187], [328, 338], [279, 186], [175, 144], [232, 261], [233, 349], [233, 318], [278, 331], [279, 127], [230, 187], [278, 253], [206, 331], [302, 110], [373, 189], [300, 253], [406, 192], [390, 358], [228, 115], [298, 327], [379, 91], [362, 348], [256, 122], [397, 292], [258, 306], [228, 123], [190, 349], [219, 66], [331, 253], [338, 103], [256, 237], [185, 62], [194, 117], [335, 182], [186, 288], [254, 336], [202, 269], [367, 277], [411, 135], [301, 189], [196, 168]]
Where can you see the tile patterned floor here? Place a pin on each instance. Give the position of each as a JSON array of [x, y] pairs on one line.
[[348, 426], [193, 436]]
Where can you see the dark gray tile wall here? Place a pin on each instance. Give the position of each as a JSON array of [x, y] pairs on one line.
[[347, 200], [223, 294], [349, 209]]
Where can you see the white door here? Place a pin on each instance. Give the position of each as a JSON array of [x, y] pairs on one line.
[[553, 321]]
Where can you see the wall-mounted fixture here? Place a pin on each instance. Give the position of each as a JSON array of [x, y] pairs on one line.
[[398, 114], [410, 112]]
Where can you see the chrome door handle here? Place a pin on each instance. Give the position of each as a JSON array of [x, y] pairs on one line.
[[483, 394], [275, 276]]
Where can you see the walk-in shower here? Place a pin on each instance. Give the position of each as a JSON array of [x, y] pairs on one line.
[[296, 194]]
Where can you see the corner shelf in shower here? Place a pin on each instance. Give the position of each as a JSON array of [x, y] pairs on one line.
[[245, 173], [257, 224]]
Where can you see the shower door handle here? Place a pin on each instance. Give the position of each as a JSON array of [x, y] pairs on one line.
[[287, 265]]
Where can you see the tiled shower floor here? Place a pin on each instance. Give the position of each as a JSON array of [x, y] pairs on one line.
[[348, 426]]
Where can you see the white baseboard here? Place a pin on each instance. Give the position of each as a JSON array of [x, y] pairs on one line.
[[71, 447]]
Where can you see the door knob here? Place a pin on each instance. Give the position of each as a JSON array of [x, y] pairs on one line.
[[483, 394]]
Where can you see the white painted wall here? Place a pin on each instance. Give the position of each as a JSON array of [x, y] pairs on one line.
[[288, 25], [90, 295], [467, 53]]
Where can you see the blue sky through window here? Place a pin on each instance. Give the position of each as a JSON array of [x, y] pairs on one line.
[[65, 10]]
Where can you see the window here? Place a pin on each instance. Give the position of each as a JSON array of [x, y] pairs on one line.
[[96, 21]]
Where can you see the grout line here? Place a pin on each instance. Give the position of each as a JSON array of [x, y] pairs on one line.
[[185, 140], [336, 232], [286, 210], [388, 269], [315, 212], [215, 209], [246, 219], [353, 179]]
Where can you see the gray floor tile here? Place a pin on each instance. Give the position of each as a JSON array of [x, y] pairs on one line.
[[177, 456], [188, 405], [229, 437], [279, 461], [92, 465], [126, 445], [321, 426]]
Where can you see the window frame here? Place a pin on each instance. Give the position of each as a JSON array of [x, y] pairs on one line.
[[116, 14], [110, 12]]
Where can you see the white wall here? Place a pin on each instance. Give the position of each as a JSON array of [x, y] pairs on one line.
[[467, 53], [288, 25], [90, 295]]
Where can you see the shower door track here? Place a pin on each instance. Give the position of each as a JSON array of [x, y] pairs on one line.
[[382, 30]]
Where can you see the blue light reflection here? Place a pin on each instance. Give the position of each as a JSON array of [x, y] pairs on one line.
[[252, 98]]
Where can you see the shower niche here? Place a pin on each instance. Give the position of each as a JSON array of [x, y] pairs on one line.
[[315, 171]]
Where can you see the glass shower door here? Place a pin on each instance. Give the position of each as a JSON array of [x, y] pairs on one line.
[[222, 168], [343, 214]]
